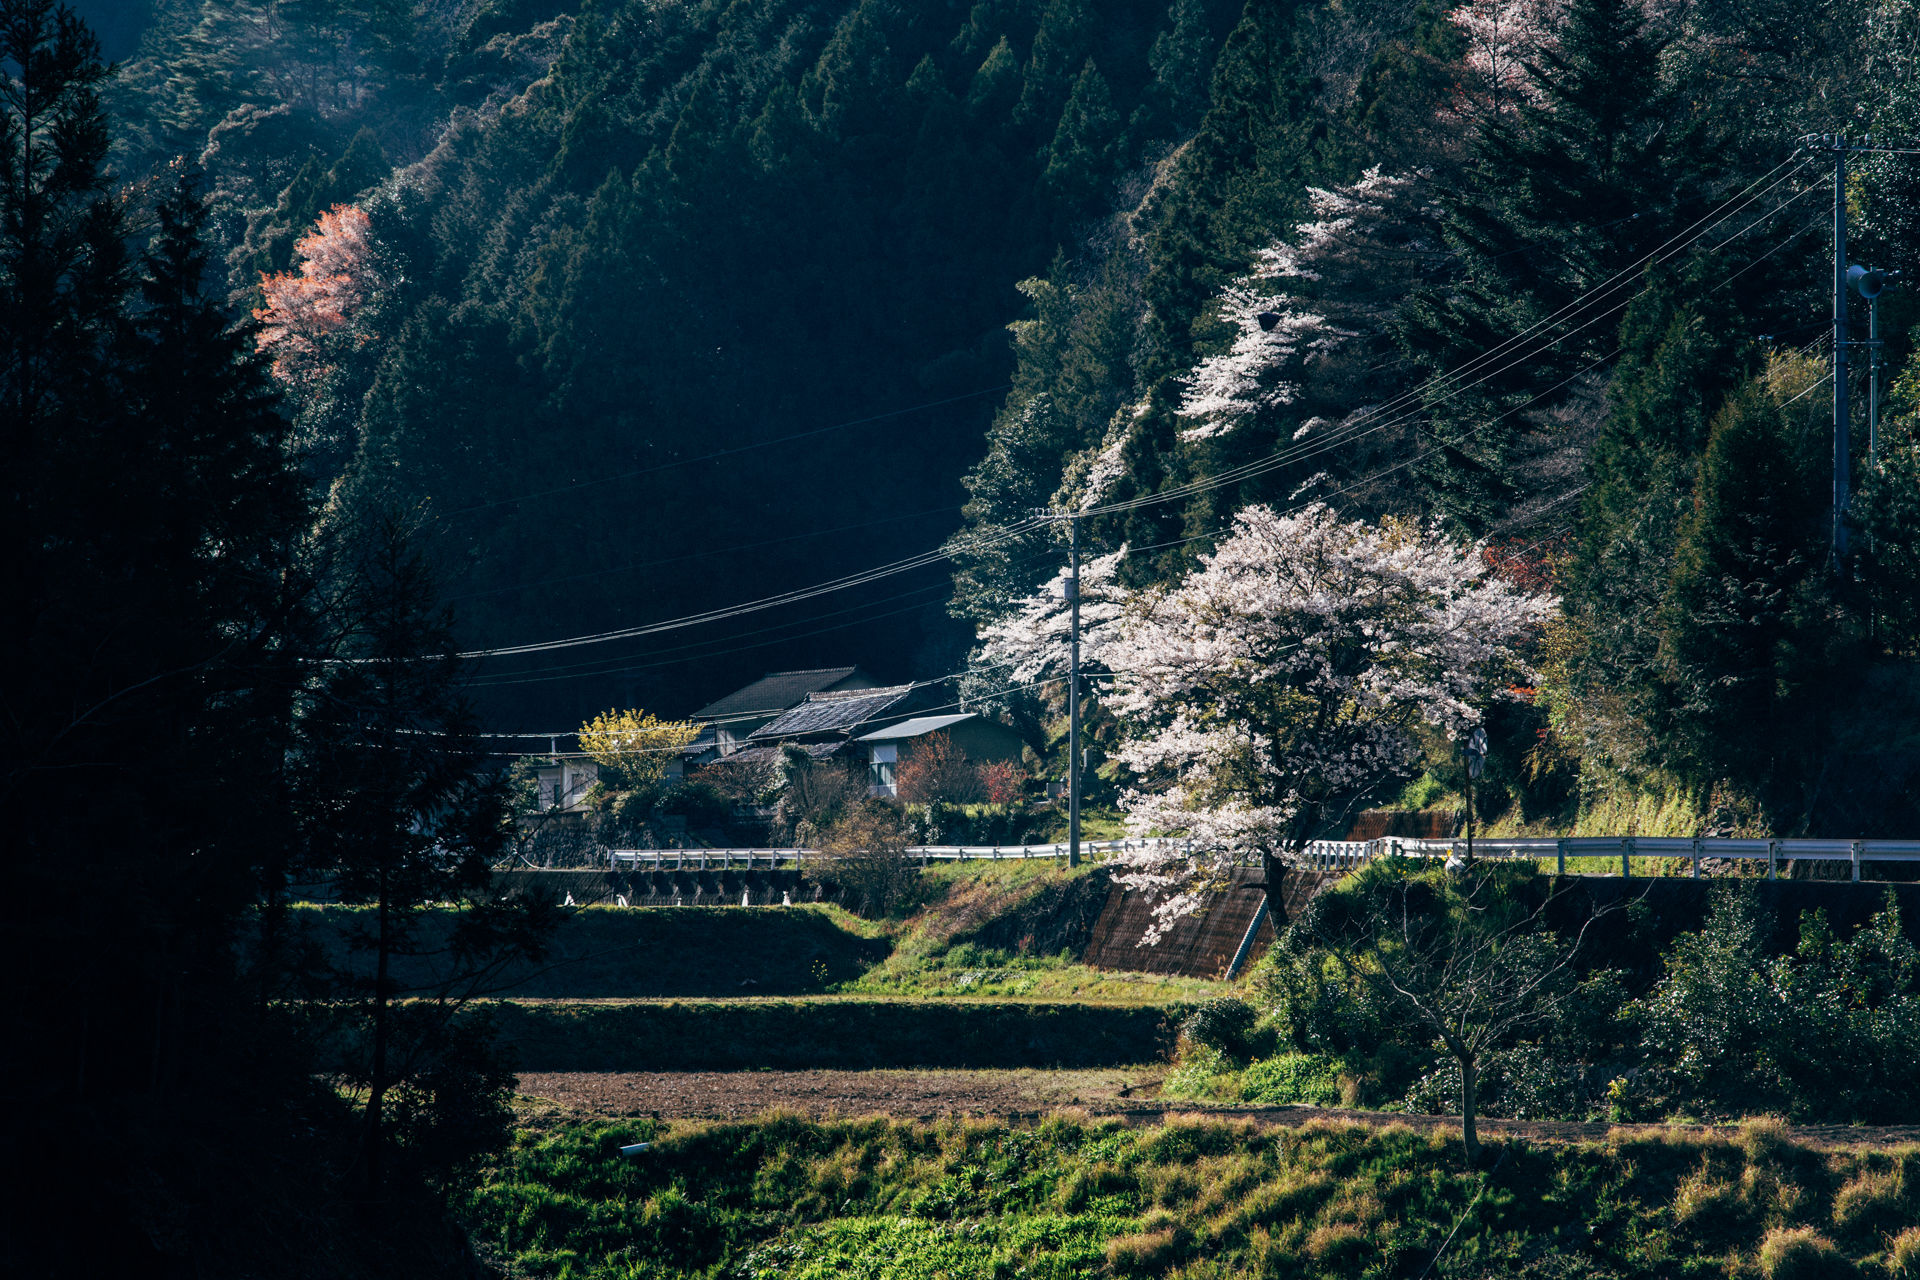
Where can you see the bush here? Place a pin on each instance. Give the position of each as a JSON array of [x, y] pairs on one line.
[[1309, 1078], [1225, 1025], [1903, 1259], [1003, 781], [937, 772], [1732, 1029], [1800, 1253], [868, 845]]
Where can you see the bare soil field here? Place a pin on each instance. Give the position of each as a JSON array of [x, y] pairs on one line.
[[1123, 1092]]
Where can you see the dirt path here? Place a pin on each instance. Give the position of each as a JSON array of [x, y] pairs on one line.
[[1126, 1093]]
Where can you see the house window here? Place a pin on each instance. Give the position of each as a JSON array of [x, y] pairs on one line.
[[883, 757]]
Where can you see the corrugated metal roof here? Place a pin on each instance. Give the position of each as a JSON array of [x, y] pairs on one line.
[[773, 693], [841, 712], [916, 727]]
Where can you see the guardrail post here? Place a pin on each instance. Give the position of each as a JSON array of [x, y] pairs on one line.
[[1560, 857], [1855, 850], [1697, 842], [1773, 859], [1626, 857]]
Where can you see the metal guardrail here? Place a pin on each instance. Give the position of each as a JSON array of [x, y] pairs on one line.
[[748, 859], [1343, 855], [1332, 855]]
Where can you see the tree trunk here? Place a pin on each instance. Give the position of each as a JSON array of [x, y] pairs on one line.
[[377, 1083], [1469, 1102], [1272, 868]]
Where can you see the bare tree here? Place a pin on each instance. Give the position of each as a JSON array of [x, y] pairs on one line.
[[1465, 955], [816, 792], [868, 844]]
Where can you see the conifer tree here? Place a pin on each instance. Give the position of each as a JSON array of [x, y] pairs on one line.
[[1751, 635], [1080, 163], [1585, 172]]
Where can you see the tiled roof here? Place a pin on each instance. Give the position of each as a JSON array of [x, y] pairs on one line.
[[842, 712], [771, 754], [773, 693], [917, 727]]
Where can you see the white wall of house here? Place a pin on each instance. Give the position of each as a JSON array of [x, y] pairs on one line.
[[564, 783]]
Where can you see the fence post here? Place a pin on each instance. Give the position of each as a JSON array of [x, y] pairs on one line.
[[1773, 859], [1626, 857], [1856, 859]]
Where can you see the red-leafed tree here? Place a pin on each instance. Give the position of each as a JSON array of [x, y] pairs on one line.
[[938, 772], [311, 314]]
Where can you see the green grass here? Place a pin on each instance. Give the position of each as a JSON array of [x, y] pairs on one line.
[[1193, 1199], [936, 953]]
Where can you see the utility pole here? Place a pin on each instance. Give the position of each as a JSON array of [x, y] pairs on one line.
[[1073, 691], [1838, 145]]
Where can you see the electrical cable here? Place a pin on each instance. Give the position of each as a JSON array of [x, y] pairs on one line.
[[615, 666], [722, 453], [753, 606], [705, 551], [1679, 241], [1285, 456]]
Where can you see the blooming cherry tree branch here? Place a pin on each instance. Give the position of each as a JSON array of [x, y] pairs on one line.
[[1280, 682]]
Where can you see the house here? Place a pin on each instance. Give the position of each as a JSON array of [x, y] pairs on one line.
[[726, 724], [980, 740], [563, 784], [827, 722]]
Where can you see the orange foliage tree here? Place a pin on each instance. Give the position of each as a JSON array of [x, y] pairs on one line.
[[311, 312], [937, 772]]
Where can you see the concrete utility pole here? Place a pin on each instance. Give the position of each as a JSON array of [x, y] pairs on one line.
[[1838, 145], [1073, 691]]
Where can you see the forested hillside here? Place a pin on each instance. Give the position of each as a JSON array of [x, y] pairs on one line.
[[648, 309]]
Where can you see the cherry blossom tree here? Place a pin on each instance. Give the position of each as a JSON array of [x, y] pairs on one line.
[[1280, 683], [1502, 37], [310, 312], [1324, 293], [1030, 644]]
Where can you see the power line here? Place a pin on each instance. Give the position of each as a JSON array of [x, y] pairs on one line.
[[1673, 245], [701, 554], [723, 453], [753, 606], [1284, 456]]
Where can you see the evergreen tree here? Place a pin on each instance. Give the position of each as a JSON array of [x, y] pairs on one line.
[[1239, 179], [1571, 184], [1752, 638], [1682, 352], [398, 812], [1080, 163]]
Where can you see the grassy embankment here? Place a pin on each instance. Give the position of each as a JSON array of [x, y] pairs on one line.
[[1193, 1198], [981, 930], [980, 974]]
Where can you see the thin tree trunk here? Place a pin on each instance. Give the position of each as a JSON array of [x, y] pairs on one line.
[[1469, 1102], [377, 1085]]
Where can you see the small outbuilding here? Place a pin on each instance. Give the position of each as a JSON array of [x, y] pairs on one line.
[[980, 740]]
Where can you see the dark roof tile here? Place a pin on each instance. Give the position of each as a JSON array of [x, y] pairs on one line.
[[843, 712]]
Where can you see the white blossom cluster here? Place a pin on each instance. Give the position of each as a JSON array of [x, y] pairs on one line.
[[1281, 679], [1032, 642], [1505, 36], [1279, 323]]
